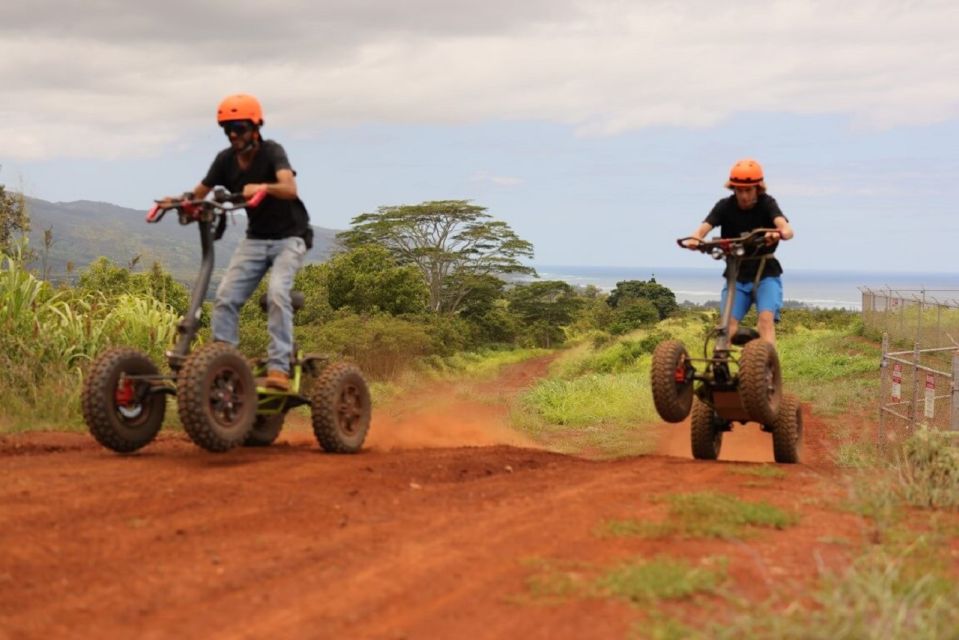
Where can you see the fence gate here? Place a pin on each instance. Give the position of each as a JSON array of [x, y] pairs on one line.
[[919, 379]]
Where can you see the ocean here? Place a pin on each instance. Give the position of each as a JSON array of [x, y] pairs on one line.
[[822, 289]]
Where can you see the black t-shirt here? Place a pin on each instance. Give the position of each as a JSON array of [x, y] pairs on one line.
[[735, 221], [273, 218]]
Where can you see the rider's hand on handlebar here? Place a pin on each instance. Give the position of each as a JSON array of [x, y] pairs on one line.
[[772, 237], [692, 243], [251, 190]]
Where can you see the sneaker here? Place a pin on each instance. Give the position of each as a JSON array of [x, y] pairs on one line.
[[276, 379]]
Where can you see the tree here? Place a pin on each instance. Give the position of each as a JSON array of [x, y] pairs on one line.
[[544, 308], [632, 314], [629, 291], [367, 279], [450, 242], [14, 220]]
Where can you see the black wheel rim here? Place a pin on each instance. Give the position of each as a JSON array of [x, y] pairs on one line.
[[227, 393], [349, 409]]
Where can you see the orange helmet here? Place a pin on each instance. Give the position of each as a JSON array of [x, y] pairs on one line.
[[745, 173], [240, 106]]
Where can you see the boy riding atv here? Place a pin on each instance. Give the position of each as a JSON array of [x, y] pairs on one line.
[[750, 207]]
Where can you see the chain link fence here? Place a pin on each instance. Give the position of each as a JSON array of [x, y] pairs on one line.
[[920, 358]]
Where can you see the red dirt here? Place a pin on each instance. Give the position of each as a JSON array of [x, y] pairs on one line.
[[427, 533]]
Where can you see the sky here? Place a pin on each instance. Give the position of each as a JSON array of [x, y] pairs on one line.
[[599, 130]]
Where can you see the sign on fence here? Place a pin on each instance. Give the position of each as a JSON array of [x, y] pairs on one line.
[[930, 395], [897, 382]]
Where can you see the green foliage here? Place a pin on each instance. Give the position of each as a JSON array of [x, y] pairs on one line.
[[368, 280], [14, 219], [453, 244], [112, 281], [381, 345], [632, 314], [47, 339], [543, 309], [662, 298]]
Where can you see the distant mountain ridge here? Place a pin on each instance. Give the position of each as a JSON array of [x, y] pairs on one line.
[[83, 231]]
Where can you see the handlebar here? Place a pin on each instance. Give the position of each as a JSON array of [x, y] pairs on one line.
[[719, 248], [191, 209]]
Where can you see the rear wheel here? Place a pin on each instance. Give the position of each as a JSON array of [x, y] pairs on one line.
[[341, 407], [705, 431], [119, 407], [787, 431], [216, 396], [266, 429], [672, 381], [760, 381]]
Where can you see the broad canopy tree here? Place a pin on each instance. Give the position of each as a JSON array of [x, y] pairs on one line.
[[455, 245], [628, 292]]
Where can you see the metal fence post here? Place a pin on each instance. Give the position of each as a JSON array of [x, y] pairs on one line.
[[915, 386], [955, 391], [883, 366]]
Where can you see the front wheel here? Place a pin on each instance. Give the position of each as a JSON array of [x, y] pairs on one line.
[[341, 408], [787, 431], [119, 405], [705, 431], [216, 396], [672, 381], [760, 381]]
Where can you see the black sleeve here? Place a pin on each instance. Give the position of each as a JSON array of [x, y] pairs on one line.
[[277, 155], [774, 211], [715, 217], [215, 175]]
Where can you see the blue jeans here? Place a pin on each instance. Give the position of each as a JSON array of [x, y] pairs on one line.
[[769, 297], [247, 267]]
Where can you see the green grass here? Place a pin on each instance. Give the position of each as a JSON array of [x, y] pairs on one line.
[[830, 368], [662, 578], [886, 593], [638, 581], [704, 514], [768, 471]]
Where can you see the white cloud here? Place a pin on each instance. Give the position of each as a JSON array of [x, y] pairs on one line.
[[86, 86]]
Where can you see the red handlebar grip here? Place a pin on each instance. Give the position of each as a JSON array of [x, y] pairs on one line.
[[152, 213], [257, 198]]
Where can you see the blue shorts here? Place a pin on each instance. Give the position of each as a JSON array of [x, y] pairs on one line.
[[769, 297]]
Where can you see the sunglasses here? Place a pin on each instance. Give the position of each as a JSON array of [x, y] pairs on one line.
[[239, 127]]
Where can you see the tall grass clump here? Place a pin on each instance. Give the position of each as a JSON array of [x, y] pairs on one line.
[[882, 595], [48, 337], [927, 469]]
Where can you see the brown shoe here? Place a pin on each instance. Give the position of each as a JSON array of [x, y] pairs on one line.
[[276, 379]]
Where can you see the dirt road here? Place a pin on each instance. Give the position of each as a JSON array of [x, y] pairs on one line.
[[432, 531]]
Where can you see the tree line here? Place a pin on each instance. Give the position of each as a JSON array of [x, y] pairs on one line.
[[447, 268]]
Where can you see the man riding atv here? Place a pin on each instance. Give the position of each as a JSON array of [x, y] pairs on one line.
[[278, 232], [750, 207]]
